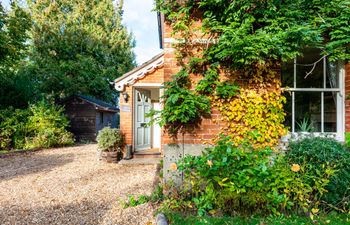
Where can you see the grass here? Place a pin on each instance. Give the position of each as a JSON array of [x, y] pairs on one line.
[[332, 219]]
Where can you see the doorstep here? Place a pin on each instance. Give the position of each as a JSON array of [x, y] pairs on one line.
[[150, 153], [140, 161]]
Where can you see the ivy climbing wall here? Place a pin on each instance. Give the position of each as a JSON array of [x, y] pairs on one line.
[[242, 104], [222, 60], [209, 127]]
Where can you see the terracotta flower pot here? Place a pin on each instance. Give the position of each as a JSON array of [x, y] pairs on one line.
[[110, 157]]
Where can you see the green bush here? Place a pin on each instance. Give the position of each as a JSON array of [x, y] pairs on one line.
[[295, 188], [233, 180], [41, 126], [135, 201], [347, 139], [227, 178], [47, 127], [13, 128], [110, 139], [317, 152], [155, 197]]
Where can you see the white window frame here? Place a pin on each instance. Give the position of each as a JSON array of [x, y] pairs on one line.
[[340, 106]]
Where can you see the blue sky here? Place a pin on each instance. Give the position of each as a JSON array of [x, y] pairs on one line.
[[139, 19], [142, 22]]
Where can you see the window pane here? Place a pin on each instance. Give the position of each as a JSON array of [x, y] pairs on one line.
[[305, 65], [287, 74], [332, 75], [288, 111], [308, 111], [330, 112]]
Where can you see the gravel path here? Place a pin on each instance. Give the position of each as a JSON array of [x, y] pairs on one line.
[[69, 186]]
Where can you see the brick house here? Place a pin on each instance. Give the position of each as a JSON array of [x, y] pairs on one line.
[[140, 90], [321, 99]]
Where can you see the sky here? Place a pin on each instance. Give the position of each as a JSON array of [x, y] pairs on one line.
[[142, 22]]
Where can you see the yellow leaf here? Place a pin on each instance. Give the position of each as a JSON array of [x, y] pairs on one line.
[[314, 211], [311, 216]]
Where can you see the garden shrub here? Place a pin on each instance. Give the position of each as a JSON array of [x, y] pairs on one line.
[[13, 128], [47, 127], [347, 139], [40, 126], [135, 200], [295, 188], [229, 179], [110, 139], [226, 177], [317, 152]]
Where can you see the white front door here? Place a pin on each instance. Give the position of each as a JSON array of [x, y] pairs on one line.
[[143, 105]]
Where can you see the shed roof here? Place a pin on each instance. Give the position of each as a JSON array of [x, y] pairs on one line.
[[139, 72], [99, 104]]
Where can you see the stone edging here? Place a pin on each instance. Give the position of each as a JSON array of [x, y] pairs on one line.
[[161, 219]]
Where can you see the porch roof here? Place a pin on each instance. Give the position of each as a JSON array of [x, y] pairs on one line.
[[139, 72]]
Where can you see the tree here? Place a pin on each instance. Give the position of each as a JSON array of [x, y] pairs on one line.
[[13, 35], [16, 88], [79, 46]]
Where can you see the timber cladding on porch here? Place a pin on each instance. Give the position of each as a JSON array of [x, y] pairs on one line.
[[157, 77]]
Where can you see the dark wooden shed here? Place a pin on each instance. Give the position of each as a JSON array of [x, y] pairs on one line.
[[88, 115]]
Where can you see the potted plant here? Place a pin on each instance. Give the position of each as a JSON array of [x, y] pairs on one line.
[[110, 143]]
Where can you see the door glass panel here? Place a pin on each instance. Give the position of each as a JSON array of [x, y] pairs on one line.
[[147, 136], [139, 98], [139, 113], [330, 112], [307, 111], [148, 100], [147, 110], [139, 136]]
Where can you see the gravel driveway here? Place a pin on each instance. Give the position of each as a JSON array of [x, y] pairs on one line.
[[69, 186]]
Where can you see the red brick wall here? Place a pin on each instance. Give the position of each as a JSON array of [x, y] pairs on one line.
[[170, 63], [126, 117], [210, 127], [347, 101]]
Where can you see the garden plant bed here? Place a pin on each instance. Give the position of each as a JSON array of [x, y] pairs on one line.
[[70, 186], [332, 219]]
